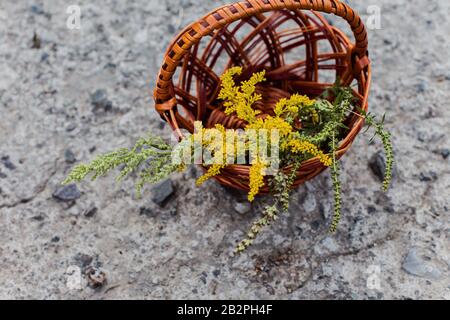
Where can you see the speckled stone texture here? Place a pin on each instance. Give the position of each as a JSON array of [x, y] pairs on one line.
[[67, 95]]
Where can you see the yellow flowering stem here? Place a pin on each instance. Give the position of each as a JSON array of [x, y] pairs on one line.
[[257, 172], [239, 99], [300, 146], [213, 171]]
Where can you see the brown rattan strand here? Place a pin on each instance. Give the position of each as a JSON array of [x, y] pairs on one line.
[[289, 39]]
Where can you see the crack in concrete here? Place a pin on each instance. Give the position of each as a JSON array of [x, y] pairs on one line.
[[42, 187]]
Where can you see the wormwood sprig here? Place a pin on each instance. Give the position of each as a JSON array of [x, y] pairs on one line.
[[150, 156], [281, 188], [386, 140], [335, 171]]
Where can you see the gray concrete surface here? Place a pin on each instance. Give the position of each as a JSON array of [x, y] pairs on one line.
[[393, 245]]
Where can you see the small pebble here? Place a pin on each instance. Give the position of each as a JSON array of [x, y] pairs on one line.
[[242, 207], [70, 127], [90, 212], [378, 165], [147, 212], [422, 86], [37, 9], [100, 101], [69, 156], [418, 265], [7, 163], [67, 193], [445, 153], [315, 225], [83, 260], [36, 42], [171, 28], [162, 191], [428, 176]]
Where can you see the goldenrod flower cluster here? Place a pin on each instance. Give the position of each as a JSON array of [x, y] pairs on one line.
[[214, 140], [299, 146], [257, 173], [292, 105], [272, 123], [213, 171], [240, 99]]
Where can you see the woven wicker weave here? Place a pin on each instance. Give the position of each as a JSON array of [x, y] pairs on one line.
[[257, 35]]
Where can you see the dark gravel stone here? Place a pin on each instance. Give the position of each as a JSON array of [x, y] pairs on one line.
[[270, 289], [2, 175], [39, 217], [422, 86], [70, 127], [445, 153], [315, 225], [7, 163], [67, 193], [37, 9], [162, 192], [171, 28], [377, 165], [83, 260], [55, 239], [371, 210], [69, 156], [422, 136], [147, 212], [36, 42], [100, 101], [90, 212], [242, 207], [216, 273], [44, 57], [428, 176]]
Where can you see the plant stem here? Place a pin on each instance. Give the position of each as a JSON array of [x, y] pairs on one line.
[[336, 187]]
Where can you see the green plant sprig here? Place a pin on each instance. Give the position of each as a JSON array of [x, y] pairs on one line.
[[150, 156], [335, 172], [281, 188], [386, 140]]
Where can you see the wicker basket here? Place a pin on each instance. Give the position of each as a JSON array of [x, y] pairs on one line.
[[284, 37]]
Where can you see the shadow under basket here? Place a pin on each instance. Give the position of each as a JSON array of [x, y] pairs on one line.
[[299, 49]]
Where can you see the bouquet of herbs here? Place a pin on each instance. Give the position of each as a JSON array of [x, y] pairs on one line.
[[298, 129]]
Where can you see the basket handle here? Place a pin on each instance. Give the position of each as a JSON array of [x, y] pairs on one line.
[[164, 93]]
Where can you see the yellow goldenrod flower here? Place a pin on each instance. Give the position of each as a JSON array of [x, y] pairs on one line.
[[292, 105], [213, 171], [239, 99], [257, 172], [272, 123], [299, 146]]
